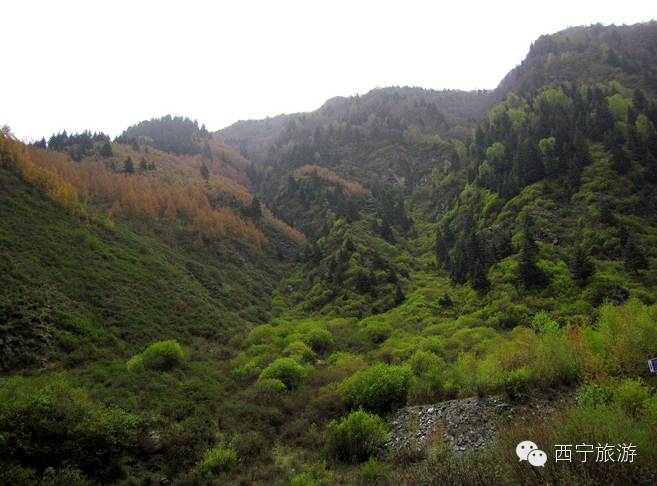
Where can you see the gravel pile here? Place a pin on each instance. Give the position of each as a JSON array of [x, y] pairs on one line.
[[465, 425]]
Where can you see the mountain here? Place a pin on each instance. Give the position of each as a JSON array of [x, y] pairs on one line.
[[252, 306]]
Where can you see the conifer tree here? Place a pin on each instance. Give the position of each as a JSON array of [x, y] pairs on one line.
[[442, 255], [106, 151], [503, 245], [635, 260], [480, 279], [352, 212], [362, 282], [128, 166], [205, 172], [375, 226], [445, 301], [582, 267], [386, 230], [529, 274], [391, 276], [459, 267], [377, 261], [254, 210], [206, 152], [399, 295]]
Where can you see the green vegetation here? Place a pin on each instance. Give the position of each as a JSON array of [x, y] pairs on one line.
[[217, 460], [172, 310], [287, 371], [161, 356], [355, 438]]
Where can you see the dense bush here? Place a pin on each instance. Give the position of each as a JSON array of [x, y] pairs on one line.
[[217, 460], [624, 338], [161, 356], [49, 423], [300, 352], [287, 370], [355, 438], [319, 340], [380, 388]]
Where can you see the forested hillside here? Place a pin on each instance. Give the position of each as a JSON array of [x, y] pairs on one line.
[[252, 306]]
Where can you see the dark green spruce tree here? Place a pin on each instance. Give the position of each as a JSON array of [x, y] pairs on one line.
[[582, 268], [635, 260], [399, 295], [442, 253], [205, 172], [529, 274], [128, 166], [386, 230], [479, 280], [106, 151], [254, 210]]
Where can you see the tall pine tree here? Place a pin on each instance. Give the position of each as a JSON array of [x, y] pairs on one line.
[[530, 275], [582, 268]]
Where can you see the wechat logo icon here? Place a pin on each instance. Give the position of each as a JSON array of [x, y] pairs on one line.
[[528, 451]]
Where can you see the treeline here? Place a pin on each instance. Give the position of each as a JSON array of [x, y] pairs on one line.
[[76, 146], [588, 55], [548, 136], [548, 139], [207, 210], [175, 135], [16, 155]]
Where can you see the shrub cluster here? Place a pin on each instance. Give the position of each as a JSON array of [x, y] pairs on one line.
[[49, 423], [162, 356], [380, 388], [356, 437]]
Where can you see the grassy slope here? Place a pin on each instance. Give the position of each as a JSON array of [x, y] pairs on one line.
[[74, 291]]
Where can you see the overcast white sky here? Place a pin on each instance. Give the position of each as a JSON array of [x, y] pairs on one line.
[[104, 66]]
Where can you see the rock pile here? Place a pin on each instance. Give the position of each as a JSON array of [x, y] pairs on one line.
[[464, 425]]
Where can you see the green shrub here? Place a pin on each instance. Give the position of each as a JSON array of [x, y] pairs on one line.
[[300, 352], [650, 405], [423, 361], [516, 381], [262, 334], [371, 471], [316, 475], [380, 388], [543, 324], [161, 356], [626, 336], [286, 370], [594, 395], [64, 477], [377, 332], [49, 423], [355, 438], [267, 391], [217, 460], [319, 340], [631, 395], [434, 344]]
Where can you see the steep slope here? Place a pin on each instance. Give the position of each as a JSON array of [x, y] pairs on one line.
[[410, 250], [144, 254], [588, 55], [77, 291]]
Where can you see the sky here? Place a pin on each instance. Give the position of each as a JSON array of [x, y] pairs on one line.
[[104, 66]]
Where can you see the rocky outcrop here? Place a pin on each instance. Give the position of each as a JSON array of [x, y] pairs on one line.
[[465, 425]]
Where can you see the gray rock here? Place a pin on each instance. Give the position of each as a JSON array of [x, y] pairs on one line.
[[153, 443]]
